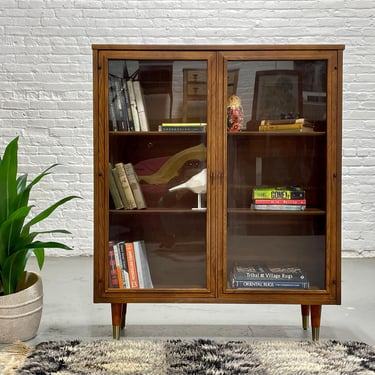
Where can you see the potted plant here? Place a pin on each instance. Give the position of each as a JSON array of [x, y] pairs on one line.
[[21, 292]]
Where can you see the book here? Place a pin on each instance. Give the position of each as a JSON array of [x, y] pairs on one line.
[[182, 128], [282, 125], [143, 121], [118, 266], [133, 105], [124, 264], [285, 121], [125, 184], [271, 284], [114, 191], [132, 266], [279, 192], [286, 127], [280, 201], [113, 281], [112, 105], [119, 187], [143, 268], [184, 124], [135, 186], [122, 113], [138, 262], [128, 108], [264, 272], [278, 207]]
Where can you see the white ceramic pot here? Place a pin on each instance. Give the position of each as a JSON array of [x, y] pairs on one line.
[[20, 312]]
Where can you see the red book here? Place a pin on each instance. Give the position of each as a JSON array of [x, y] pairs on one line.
[[112, 269], [132, 265], [280, 201]]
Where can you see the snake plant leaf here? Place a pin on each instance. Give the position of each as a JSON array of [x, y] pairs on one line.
[[39, 255], [13, 270], [48, 211], [24, 190], [8, 178], [26, 239], [15, 264], [10, 230]]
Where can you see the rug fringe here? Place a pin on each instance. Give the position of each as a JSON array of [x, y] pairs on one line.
[[12, 357]]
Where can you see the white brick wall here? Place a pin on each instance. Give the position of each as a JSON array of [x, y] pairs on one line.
[[46, 84]]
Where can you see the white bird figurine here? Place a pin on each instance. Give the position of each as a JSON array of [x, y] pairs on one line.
[[197, 184]]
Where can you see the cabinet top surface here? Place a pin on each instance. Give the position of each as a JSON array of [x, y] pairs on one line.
[[241, 47]]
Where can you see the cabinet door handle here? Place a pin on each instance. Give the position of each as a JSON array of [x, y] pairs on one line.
[[220, 177], [212, 176]]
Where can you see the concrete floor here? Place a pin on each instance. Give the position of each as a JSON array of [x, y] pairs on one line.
[[70, 313]]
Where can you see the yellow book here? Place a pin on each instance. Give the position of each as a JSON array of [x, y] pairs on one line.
[[184, 124], [280, 127]]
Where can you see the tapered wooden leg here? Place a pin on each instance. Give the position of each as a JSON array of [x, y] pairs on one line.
[[305, 311], [316, 311], [116, 309]]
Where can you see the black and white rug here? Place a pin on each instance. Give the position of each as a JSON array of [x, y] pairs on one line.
[[200, 356]]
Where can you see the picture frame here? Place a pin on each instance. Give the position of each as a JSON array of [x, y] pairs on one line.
[[277, 95]]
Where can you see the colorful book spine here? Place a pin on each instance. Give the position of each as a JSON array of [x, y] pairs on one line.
[[118, 266], [276, 192], [132, 265], [280, 201], [124, 264], [112, 270]]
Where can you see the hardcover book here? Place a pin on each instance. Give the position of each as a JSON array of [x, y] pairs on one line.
[[279, 192], [112, 268], [270, 284], [132, 266], [278, 207], [285, 273], [113, 189], [125, 183], [135, 186]]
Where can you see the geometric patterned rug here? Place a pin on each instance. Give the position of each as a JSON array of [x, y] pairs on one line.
[[188, 356]]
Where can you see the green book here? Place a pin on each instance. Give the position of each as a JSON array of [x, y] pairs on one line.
[[279, 192]]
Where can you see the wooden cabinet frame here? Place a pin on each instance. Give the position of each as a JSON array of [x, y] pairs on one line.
[[218, 142]]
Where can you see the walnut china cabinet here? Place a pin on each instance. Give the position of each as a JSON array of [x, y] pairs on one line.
[[220, 139]]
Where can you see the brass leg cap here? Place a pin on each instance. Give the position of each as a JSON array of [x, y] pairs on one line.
[[315, 333], [116, 332], [305, 322]]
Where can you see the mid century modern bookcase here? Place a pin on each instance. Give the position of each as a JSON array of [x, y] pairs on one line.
[[192, 242]]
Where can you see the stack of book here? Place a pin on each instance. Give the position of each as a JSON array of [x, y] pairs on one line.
[[284, 125], [289, 198], [183, 127], [126, 105], [286, 277], [128, 265], [125, 188]]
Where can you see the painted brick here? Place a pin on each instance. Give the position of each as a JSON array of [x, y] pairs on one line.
[[46, 83]]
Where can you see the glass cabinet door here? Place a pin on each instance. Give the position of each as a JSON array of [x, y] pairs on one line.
[[156, 128], [276, 140]]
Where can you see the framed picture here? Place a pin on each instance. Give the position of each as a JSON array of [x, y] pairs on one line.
[[277, 95]]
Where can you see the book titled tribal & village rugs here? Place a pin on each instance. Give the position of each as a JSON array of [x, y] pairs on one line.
[[269, 277]]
